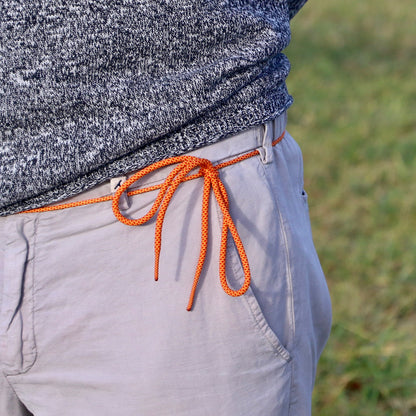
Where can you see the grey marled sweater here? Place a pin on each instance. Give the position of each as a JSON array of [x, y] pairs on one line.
[[91, 89]]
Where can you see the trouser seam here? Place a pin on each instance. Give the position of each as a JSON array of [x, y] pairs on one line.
[[6, 377], [292, 378], [292, 340]]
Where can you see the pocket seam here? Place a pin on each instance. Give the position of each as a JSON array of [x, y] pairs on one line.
[[256, 314]]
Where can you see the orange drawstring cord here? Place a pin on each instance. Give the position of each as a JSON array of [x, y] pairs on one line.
[[181, 173], [211, 182]]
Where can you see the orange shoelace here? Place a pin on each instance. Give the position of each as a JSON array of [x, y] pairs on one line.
[[179, 174]]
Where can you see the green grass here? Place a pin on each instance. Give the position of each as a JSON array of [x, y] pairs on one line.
[[354, 82]]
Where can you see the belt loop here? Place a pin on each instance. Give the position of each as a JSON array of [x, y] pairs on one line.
[[266, 149], [280, 124]]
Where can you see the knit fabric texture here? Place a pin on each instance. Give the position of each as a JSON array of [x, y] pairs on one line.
[[93, 89]]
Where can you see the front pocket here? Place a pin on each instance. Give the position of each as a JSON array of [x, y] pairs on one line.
[[234, 272], [268, 300]]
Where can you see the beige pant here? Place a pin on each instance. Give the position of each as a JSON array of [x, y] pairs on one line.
[[85, 330]]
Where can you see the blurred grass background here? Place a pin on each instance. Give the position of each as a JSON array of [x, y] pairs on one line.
[[354, 82]]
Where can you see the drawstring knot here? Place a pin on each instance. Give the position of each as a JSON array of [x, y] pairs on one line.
[[212, 182]]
